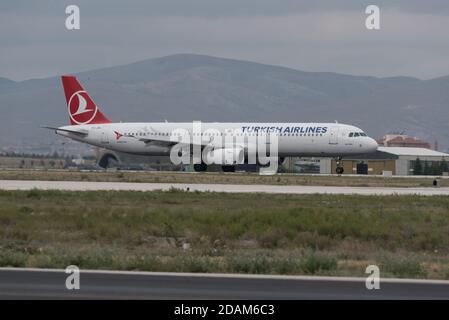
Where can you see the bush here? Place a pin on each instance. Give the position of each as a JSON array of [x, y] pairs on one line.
[[403, 268], [314, 263]]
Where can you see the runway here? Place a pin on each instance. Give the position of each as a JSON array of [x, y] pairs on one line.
[[50, 284], [232, 188]]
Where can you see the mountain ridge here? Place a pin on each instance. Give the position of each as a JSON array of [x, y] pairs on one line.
[[186, 87]]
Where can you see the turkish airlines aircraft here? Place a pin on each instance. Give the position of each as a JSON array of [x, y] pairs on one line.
[[89, 125]]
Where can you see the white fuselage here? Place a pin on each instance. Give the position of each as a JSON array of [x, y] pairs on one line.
[[294, 139]]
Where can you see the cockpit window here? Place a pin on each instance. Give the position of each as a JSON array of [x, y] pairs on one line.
[[357, 134]]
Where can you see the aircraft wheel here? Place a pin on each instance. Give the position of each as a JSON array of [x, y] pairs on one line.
[[200, 167], [228, 168]]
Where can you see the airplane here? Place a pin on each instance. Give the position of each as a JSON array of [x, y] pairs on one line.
[[88, 124]]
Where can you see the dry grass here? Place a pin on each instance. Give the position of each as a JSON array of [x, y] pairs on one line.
[[213, 177], [407, 236]]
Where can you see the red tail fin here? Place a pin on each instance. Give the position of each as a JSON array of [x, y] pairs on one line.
[[82, 109]]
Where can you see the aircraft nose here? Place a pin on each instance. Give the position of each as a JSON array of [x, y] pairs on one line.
[[372, 145]]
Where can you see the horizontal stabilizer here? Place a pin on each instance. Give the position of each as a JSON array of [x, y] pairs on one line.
[[80, 132]]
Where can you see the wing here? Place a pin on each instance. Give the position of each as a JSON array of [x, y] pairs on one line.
[[156, 142], [161, 142]]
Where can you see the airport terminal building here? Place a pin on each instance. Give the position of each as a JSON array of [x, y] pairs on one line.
[[387, 160]]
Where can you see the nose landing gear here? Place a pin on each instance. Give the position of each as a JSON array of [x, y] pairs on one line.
[[339, 169]]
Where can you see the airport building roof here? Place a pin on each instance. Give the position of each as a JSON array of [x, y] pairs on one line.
[[394, 153], [405, 151]]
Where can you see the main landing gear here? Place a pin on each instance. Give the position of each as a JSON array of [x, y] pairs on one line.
[[228, 168], [200, 167], [339, 169]]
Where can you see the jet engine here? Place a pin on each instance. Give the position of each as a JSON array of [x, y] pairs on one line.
[[225, 156]]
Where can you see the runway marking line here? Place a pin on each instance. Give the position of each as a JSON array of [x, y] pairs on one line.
[[232, 276]]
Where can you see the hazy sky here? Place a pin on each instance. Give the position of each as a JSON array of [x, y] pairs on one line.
[[320, 35]]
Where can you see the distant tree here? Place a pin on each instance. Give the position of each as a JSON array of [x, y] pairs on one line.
[[435, 168], [443, 166], [68, 161], [417, 167], [426, 169]]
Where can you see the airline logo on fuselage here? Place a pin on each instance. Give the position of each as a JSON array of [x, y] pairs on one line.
[[81, 108], [281, 129], [118, 135]]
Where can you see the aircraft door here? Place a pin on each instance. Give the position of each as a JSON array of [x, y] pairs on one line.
[[333, 136], [104, 139]]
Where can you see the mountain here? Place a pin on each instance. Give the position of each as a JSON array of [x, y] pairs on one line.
[[5, 83], [188, 87]]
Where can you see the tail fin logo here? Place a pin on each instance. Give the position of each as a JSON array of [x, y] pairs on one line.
[[82, 109]]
